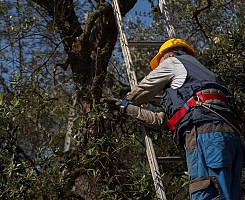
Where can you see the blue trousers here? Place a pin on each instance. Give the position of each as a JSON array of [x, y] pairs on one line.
[[215, 166]]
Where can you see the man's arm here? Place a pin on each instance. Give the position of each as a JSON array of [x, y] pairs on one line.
[[156, 120], [152, 84]]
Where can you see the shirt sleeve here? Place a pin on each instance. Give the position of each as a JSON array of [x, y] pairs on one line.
[[156, 120], [153, 84]]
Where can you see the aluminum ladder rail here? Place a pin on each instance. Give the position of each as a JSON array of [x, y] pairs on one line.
[[167, 21], [133, 81]]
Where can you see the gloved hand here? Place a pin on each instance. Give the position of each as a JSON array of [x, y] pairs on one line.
[[112, 106], [115, 104], [122, 105]]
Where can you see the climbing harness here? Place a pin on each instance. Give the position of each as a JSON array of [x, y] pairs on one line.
[[197, 100]]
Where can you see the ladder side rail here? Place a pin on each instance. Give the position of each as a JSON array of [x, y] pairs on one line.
[[153, 162], [133, 81], [124, 45], [167, 21]]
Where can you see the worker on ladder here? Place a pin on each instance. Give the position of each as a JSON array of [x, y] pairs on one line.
[[198, 110]]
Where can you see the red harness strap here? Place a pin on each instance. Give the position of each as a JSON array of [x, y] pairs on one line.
[[193, 101]]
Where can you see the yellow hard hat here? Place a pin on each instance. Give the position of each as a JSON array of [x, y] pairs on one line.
[[175, 42]]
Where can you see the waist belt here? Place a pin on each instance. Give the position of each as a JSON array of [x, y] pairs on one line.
[[198, 99]]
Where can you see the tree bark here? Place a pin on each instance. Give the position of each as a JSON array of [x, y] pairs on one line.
[[89, 47]]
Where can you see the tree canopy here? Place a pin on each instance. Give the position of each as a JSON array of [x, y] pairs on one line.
[[59, 57]]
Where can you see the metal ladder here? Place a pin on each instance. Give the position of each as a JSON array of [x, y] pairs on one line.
[[153, 161]]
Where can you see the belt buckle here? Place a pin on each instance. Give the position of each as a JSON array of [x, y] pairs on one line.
[[198, 100]]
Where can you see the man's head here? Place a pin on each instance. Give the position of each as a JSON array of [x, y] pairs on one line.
[[168, 48]]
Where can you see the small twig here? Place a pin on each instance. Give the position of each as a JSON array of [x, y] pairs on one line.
[[197, 12]]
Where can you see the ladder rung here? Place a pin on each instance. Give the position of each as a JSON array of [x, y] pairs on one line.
[[145, 43], [162, 160]]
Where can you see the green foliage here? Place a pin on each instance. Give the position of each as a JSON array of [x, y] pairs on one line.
[[107, 158], [25, 145]]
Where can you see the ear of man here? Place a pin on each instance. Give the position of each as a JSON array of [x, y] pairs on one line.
[[172, 52], [169, 54]]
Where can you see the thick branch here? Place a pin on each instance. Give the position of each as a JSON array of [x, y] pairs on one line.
[[65, 19], [97, 39]]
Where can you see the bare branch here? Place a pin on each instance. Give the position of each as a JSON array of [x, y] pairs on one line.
[[197, 12]]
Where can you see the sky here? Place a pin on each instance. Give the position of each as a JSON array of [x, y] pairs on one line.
[[140, 6]]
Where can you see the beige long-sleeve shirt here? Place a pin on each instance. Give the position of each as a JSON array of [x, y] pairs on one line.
[[169, 72]]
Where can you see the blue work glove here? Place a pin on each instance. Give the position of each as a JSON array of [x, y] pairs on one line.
[[122, 105]]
